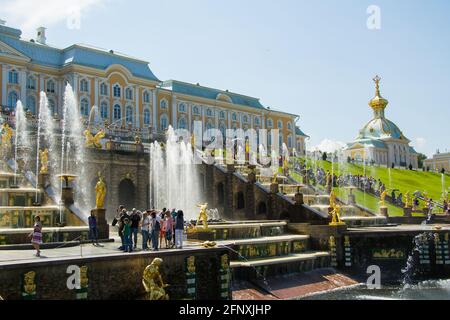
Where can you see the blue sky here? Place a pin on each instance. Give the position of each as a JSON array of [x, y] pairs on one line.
[[312, 58]]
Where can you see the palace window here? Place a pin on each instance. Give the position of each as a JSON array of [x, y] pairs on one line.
[[209, 113], [234, 116], [209, 126], [163, 122], [12, 99], [52, 107], [196, 110], [117, 112], [31, 104], [245, 119], [117, 91], [129, 94], [257, 121], [129, 114], [50, 86], [163, 104], [104, 110], [222, 114], [146, 97], [147, 117], [280, 124], [289, 126], [182, 107], [182, 123], [84, 86], [31, 83], [84, 107], [13, 77], [103, 89], [269, 123], [290, 142]]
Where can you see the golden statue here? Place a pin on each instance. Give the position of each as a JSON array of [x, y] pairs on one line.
[[191, 264], [84, 281], [6, 135], [193, 141], [202, 216], [383, 197], [153, 282], [137, 139], [43, 154], [407, 200], [100, 193], [94, 141], [224, 262], [332, 242], [332, 199], [275, 178], [29, 285], [336, 216]]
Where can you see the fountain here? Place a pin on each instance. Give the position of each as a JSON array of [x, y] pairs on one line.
[[174, 179], [21, 142]]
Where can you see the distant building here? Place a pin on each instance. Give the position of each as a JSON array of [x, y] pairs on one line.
[[380, 141], [130, 98], [438, 162]]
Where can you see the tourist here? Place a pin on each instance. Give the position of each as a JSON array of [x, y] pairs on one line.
[[124, 215], [162, 224], [174, 215], [169, 230], [93, 231], [445, 206], [127, 235], [154, 230], [135, 219], [179, 228], [145, 230], [36, 235]]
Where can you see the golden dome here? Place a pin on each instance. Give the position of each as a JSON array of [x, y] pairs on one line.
[[378, 104]]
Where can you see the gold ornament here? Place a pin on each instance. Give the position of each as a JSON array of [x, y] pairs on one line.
[[100, 193], [202, 216], [94, 141], [43, 154], [153, 282], [29, 285]]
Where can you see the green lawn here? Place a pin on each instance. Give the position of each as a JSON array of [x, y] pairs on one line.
[[403, 180]]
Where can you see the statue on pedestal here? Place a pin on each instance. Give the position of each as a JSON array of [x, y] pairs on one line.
[[6, 136], [383, 197], [153, 282], [202, 216], [43, 154], [332, 199], [100, 193], [336, 216]]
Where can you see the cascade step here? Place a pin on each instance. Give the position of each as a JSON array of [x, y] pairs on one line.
[[280, 260], [274, 239]]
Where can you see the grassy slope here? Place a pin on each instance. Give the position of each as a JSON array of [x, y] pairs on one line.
[[404, 180]]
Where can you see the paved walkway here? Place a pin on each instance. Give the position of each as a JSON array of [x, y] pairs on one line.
[[86, 250]]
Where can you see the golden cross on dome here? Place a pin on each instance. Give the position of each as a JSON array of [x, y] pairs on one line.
[[377, 84]]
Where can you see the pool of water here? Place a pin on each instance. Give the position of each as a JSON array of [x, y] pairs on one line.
[[426, 290]]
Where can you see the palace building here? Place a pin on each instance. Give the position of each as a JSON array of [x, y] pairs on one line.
[[380, 141], [129, 97]]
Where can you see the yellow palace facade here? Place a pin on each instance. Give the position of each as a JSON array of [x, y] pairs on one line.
[[128, 95]]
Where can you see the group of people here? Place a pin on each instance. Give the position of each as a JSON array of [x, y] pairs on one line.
[[155, 227]]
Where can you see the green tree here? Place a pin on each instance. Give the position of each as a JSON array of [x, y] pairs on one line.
[[421, 158]]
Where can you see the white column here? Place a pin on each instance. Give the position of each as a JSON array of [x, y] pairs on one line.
[[75, 84], [203, 117], [216, 114], [4, 84], [251, 120], [174, 112], [96, 102], [263, 121], [155, 110], [60, 91], [23, 86], [229, 119], [137, 115], [240, 119], [189, 110]]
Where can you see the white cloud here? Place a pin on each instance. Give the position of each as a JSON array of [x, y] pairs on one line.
[[328, 145], [421, 142], [31, 14]]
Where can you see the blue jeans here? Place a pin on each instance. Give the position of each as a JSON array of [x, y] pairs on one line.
[[145, 238], [134, 233], [93, 234], [128, 245], [155, 237]]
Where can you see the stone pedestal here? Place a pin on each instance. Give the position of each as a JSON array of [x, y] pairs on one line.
[[102, 224], [407, 212], [384, 212], [351, 199], [274, 188], [43, 180], [67, 196], [298, 198]]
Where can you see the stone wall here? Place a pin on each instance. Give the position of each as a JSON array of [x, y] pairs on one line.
[[116, 276]]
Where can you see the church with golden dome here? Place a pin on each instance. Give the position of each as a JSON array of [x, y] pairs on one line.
[[380, 141]]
